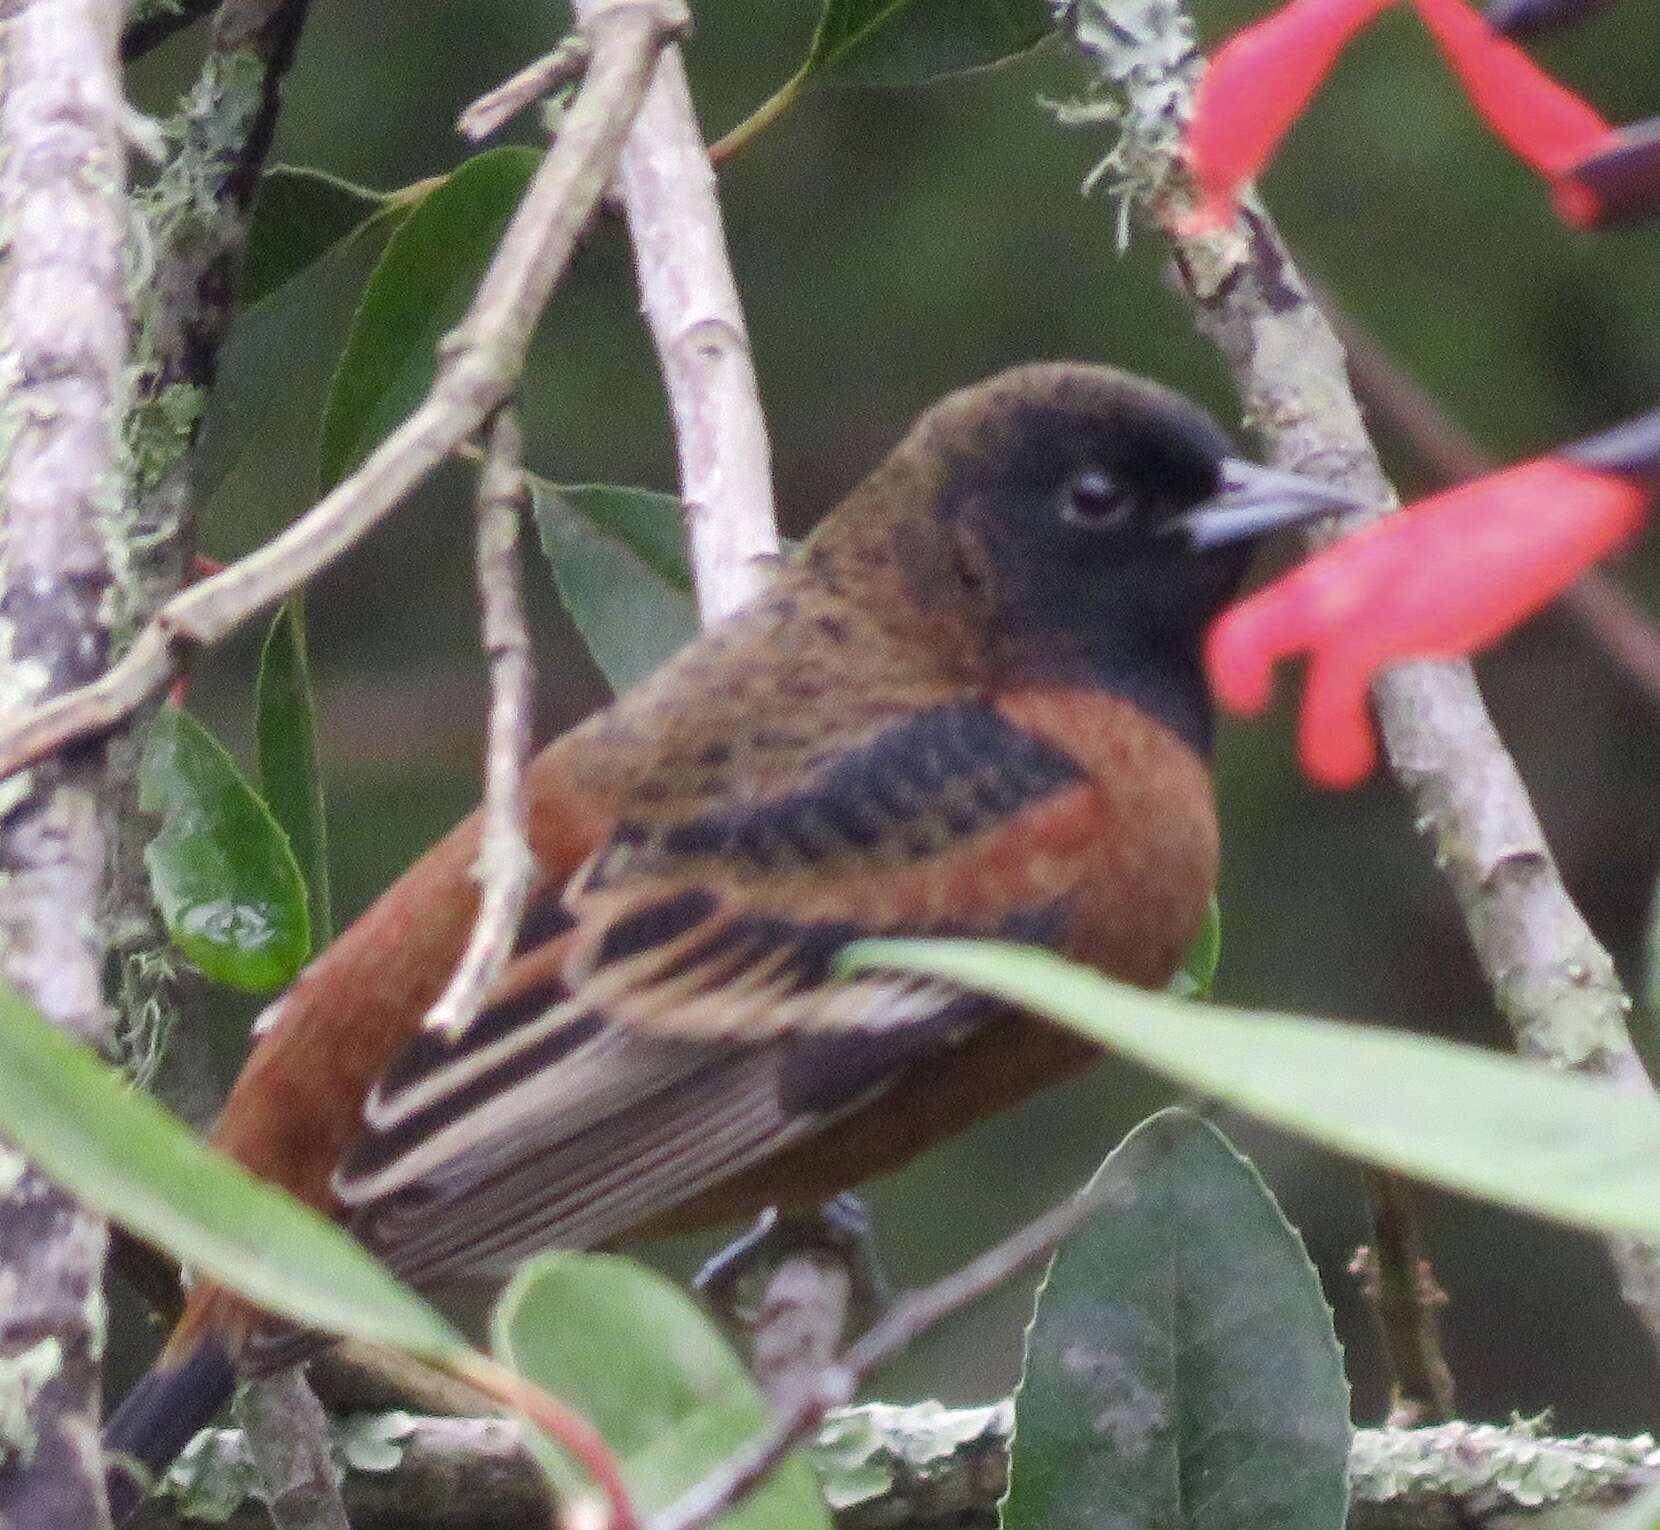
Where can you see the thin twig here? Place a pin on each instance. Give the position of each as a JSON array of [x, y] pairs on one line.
[[909, 1317], [480, 363], [1597, 604], [696, 321], [530, 84], [1400, 1288], [1554, 983], [288, 1437], [505, 867], [63, 360]]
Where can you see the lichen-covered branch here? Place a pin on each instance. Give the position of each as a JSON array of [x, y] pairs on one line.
[[926, 1467], [1554, 983], [288, 1442], [691, 306], [63, 358]]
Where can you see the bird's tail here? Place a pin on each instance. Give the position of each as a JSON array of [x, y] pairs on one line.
[[159, 1417]]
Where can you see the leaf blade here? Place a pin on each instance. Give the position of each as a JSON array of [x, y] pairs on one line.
[[124, 1155], [619, 562], [1563, 1146], [290, 773], [222, 872], [1180, 1337], [652, 1375], [419, 287]]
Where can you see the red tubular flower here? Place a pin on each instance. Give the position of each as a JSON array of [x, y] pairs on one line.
[[1440, 580], [1264, 76]]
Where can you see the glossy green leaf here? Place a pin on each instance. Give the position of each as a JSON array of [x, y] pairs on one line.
[[1197, 975], [301, 214], [290, 775], [223, 875], [125, 1156], [1181, 1369], [653, 1375], [908, 42], [418, 291], [1559, 1145], [619, 562]]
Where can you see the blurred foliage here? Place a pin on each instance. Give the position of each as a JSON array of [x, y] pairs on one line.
[[891, 245]]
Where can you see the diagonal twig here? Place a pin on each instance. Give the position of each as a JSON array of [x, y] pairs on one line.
[[912, 1315], [512, 96], [481, 360]]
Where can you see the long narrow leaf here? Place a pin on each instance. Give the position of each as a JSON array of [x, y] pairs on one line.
[[1558, 1145]]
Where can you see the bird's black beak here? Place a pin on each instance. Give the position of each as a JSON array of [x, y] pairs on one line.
[[1253, 501]]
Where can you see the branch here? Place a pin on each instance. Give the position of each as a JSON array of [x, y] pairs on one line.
[[287, 1436], [834, 1386], [926, 1467], [505, 867], [480, 363], [691, 305], [63, 356], [1399, 1286], [495, 108], [1555, 985]]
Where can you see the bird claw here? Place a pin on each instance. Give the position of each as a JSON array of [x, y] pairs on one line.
[[840, 1228]]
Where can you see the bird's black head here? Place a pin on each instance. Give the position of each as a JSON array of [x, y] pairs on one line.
[[1094, 523]]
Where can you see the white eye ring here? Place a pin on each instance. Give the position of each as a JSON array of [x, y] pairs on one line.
[[1092, 497]]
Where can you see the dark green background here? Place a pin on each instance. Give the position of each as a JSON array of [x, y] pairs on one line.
[[890, 246]]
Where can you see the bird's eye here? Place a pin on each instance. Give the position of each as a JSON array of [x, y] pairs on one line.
[[1093, 498]]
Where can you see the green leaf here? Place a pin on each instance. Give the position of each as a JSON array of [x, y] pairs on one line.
[[290, 776], [418, 290], [1197, 975], [909, 42], [652, 1375], [899, 42], [299, 216], [125, 1156], [1559, 1145], [1181, 1368], [619, 563], [223, 875]]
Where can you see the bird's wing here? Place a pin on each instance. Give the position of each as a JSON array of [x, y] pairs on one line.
[[688, 1023]]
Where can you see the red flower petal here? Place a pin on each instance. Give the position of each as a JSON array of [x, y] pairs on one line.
[[1257, 85], [1439, 581], [1543, 122]]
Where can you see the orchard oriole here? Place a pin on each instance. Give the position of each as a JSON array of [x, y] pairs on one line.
[[971, 704]]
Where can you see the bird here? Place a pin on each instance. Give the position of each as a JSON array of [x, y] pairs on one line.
[[970, 704]]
